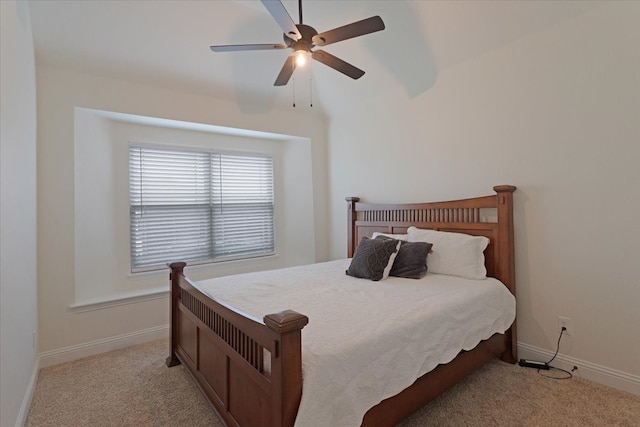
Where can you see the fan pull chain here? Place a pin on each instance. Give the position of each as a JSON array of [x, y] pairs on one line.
[[293, 85], [310, 86]]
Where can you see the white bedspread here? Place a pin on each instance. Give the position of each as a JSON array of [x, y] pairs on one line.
[[365, 340]]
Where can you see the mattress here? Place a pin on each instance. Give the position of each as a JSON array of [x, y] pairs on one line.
[[367, 341]]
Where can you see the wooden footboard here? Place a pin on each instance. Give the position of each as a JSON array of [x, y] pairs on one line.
[[249, 369]]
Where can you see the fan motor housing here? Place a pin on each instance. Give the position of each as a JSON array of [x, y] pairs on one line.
[[305, 43]]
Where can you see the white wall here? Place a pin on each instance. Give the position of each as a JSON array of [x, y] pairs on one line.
[[557, 114], [18, 277], [60, 91]]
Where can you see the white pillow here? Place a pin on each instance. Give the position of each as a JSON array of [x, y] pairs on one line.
[[402, 237], [456, 254]]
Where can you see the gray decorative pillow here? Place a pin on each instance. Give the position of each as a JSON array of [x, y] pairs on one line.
[[372, 258], [411, 260]]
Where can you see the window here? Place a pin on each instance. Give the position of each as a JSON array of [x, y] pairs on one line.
[[198, 206]]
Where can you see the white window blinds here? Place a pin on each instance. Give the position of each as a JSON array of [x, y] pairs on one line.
[[199, 206]]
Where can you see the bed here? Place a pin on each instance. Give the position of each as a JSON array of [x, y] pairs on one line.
[[251, 368]]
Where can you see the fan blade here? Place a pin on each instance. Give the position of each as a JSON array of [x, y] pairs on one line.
[[337, 64], [282, 17], [349, 31], [240, 47], [286, 71]]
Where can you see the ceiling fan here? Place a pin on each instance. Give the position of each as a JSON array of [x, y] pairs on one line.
[[303, 38]]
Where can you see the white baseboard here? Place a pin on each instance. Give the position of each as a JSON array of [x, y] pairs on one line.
[[67, 354], [587, 370], [28, 395]]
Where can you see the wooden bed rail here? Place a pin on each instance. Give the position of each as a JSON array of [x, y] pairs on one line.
[[242, 345]]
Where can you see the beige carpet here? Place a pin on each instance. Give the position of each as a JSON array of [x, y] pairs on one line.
[[133, 387]]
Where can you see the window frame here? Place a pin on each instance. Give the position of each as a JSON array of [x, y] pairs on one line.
[[210, 151]]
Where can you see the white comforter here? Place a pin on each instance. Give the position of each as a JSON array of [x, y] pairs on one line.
[[365, 340]]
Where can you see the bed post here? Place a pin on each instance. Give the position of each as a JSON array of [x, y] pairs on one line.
[[286, 364], [352, 216], [506, 253], [505, 246], [177, 269]]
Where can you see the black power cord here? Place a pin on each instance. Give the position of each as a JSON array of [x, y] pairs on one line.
[[544, 366]]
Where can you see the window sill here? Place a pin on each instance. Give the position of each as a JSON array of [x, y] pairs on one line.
[[124, 298], [207, 266]]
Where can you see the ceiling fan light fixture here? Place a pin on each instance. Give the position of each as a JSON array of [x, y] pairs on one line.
[[301, 58]]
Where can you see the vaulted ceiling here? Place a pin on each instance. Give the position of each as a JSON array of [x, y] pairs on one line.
[[167, 43]]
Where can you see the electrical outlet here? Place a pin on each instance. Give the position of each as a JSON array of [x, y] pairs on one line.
[[565, 322]]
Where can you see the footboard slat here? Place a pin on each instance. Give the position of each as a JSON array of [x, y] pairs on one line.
[[225, 351]]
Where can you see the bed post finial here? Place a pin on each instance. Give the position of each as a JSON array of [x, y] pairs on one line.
[[351, 225], [504, 188]]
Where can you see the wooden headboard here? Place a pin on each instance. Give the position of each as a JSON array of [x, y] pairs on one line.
[[489, 216]]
